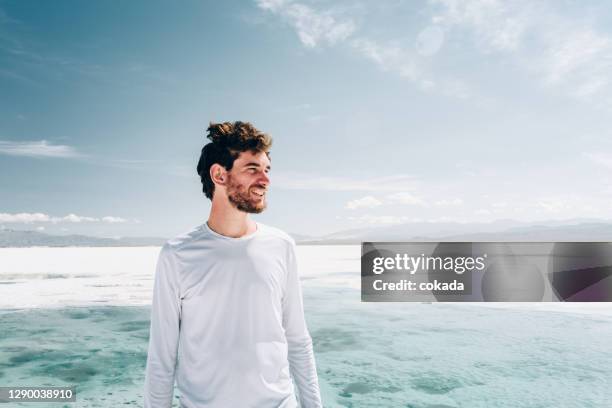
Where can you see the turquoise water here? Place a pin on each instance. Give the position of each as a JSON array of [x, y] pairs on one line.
[[368, 354]]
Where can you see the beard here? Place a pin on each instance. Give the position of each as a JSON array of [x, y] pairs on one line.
[[241, 199]]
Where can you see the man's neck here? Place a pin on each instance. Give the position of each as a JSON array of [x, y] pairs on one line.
[[230, 222]]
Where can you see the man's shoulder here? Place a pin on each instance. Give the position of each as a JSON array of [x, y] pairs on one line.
[[277, 233], [177, 242]]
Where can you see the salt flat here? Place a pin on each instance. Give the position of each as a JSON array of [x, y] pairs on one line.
[[77, 276]]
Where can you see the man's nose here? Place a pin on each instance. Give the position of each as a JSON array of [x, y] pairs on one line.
[[265, 179]]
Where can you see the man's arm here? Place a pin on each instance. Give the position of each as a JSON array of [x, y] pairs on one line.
[[164, 334], [301, 357]]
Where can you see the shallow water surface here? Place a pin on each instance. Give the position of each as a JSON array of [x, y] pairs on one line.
[[80, 316], [368, 354]]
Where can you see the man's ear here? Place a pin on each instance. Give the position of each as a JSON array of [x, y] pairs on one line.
[[218, 174]]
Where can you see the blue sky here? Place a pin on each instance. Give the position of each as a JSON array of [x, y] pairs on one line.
[[381, 112]]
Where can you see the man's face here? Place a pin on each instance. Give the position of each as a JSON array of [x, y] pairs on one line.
[[248, 181]]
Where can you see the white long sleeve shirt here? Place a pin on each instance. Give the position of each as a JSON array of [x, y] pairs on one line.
[[227, 318]]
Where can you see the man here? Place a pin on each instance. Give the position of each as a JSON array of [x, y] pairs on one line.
[[227, 303]]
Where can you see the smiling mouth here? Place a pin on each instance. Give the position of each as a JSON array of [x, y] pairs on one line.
[[259, 192]]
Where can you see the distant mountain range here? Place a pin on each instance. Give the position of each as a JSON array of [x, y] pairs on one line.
[[501, 230], [17, 238]]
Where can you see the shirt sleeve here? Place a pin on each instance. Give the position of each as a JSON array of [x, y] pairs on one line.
[[164, 333], [300, 354]]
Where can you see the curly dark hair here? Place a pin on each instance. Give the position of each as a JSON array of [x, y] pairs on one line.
[[227, 141]]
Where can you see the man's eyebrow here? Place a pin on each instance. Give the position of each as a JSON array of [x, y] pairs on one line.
[[256, 165]]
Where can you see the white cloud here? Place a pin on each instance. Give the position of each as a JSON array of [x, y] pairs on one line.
[[41, 228], [74, 218], [381, 219], [580, 48], [448, 202], [482, 211], [45, 149], [401, 198], [365, 202], [28, 218], [499, 204], [113, 220], [390, 57], [497, 24], [546, 207], [554, 205], [40, 148], [404, 197], [312, 27], [408, 63], [25, 218]]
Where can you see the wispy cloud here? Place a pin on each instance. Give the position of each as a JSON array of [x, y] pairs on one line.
[[74, 218], [448, 202], [32, 62], [560, 47], [386, 220], [543, 207], [40, 148], [381, 219], [364, 202], [13, 75], [390, 57], [405, 198], [312, 27], [29, 218], [406, 60], [24, 218], [497, 25], [399, 198], [301, 181], [554, 205], [316, 27], [113, 220], [601, 159]]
